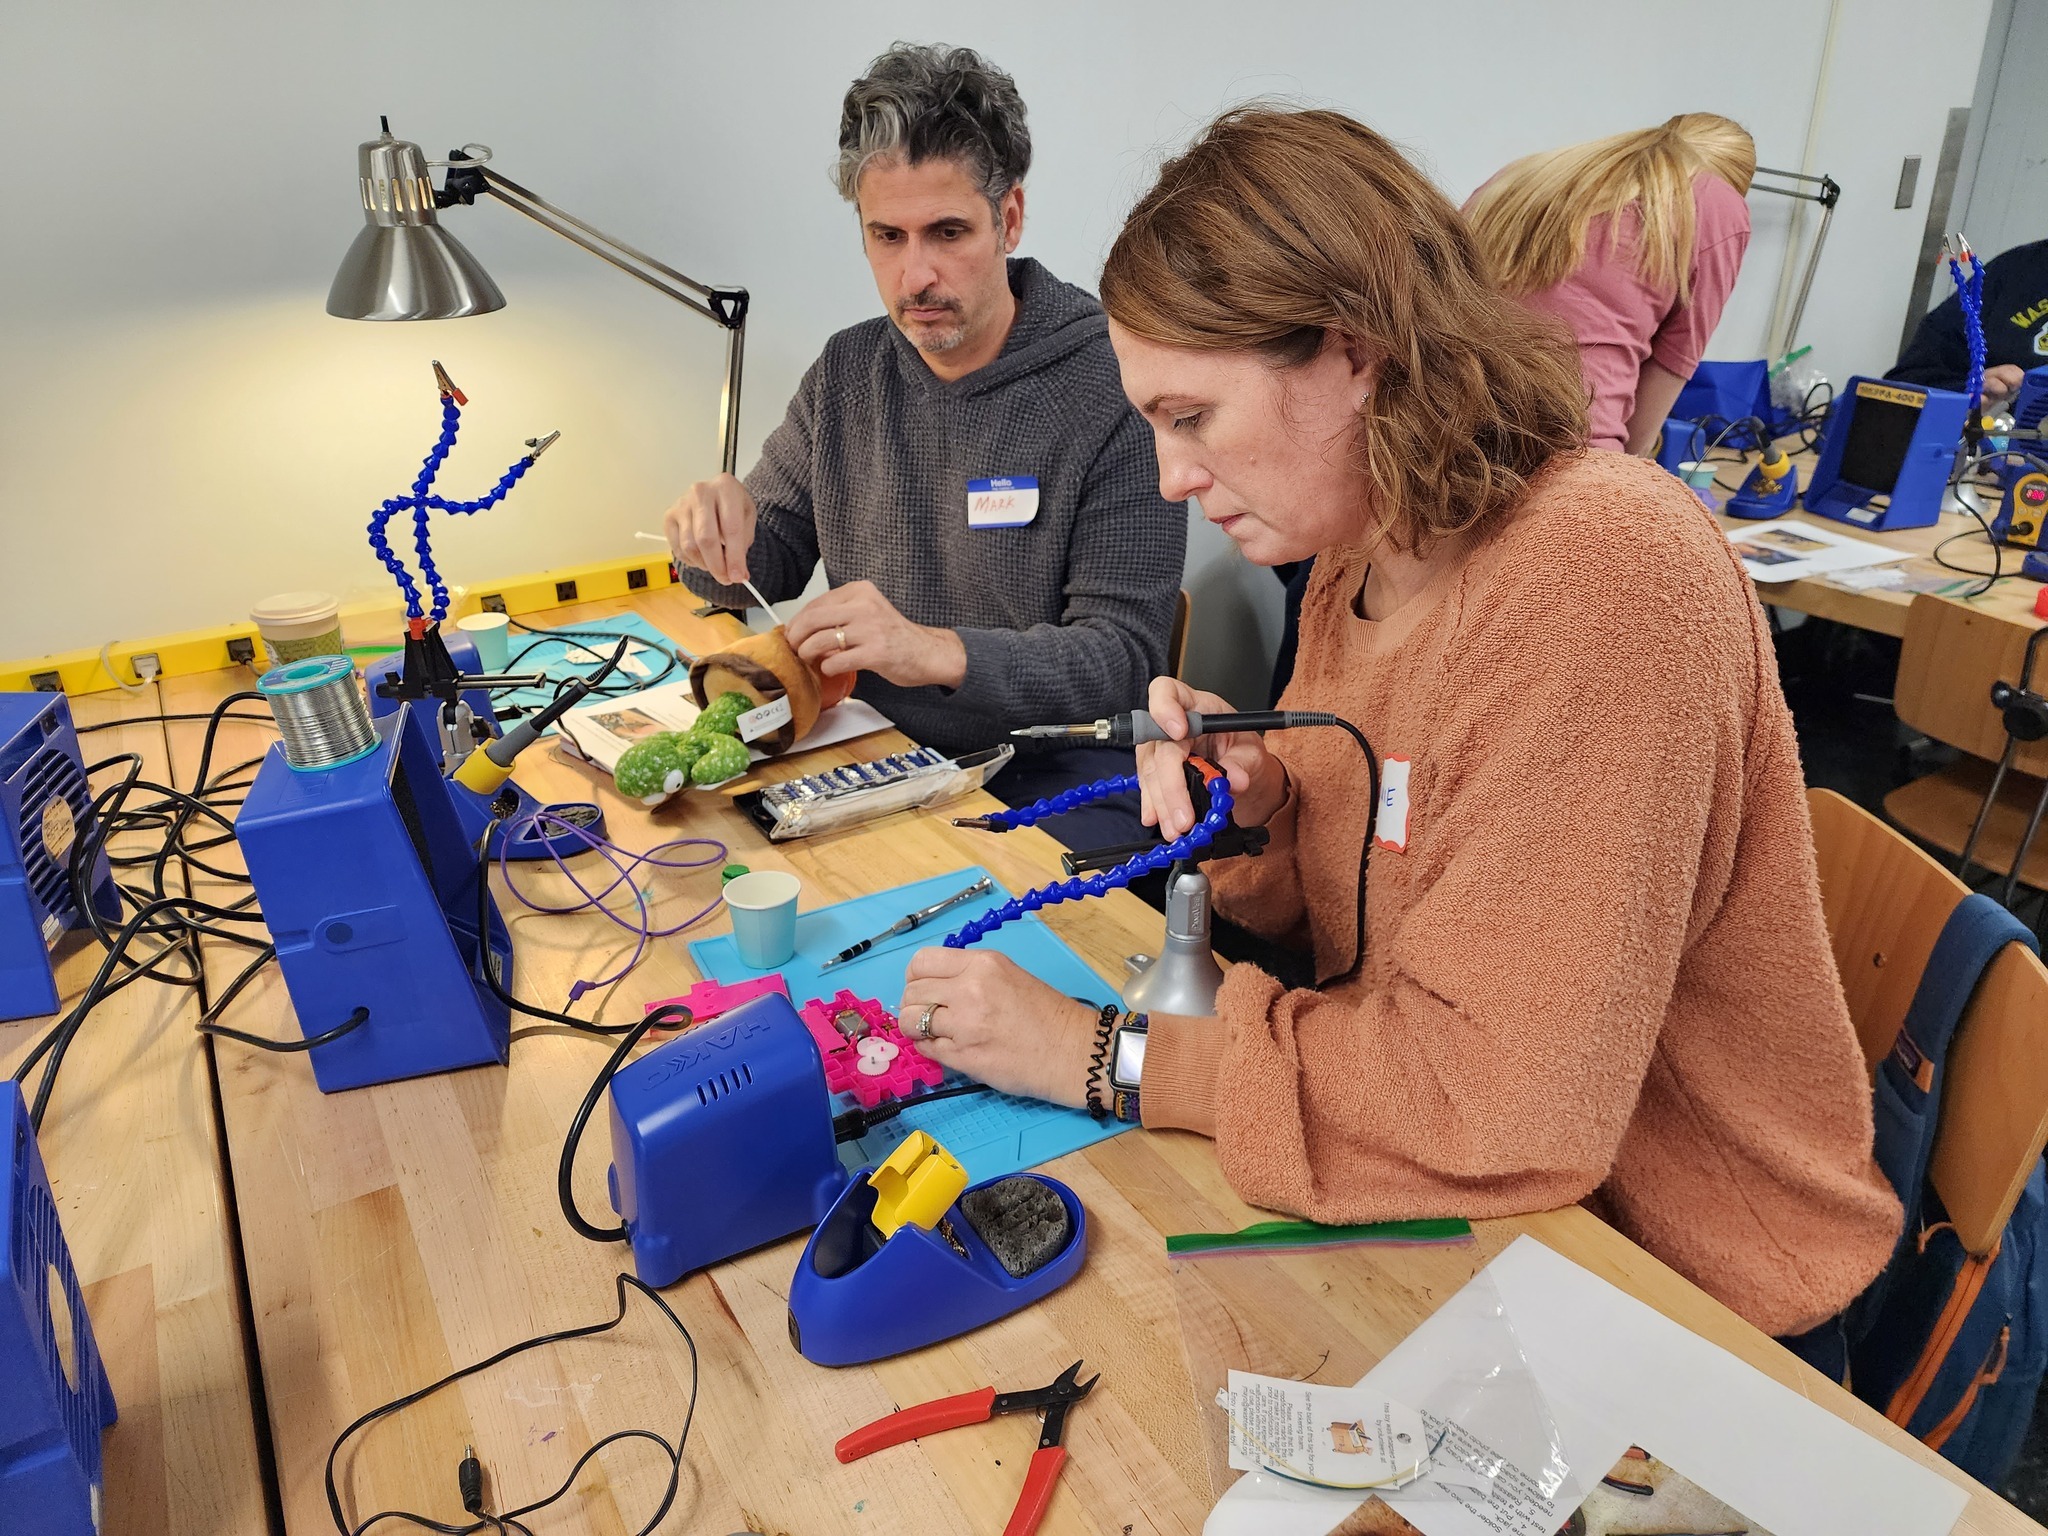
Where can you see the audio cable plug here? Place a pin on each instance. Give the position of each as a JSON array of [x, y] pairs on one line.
[[470, 1476]]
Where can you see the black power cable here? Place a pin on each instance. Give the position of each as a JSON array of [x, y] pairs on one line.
[[668, 1016], [511, 1519]]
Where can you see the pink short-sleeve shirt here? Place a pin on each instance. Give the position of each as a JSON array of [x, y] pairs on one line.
[[1622, 321]]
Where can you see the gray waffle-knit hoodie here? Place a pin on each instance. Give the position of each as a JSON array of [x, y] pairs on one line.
[[1065, 618]]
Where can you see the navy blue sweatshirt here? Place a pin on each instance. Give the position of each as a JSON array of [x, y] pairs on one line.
[[2015, 323]]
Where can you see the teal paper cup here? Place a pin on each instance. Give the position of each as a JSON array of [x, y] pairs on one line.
[[763, 908]]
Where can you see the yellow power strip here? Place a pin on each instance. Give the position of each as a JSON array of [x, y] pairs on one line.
[[228, 645]]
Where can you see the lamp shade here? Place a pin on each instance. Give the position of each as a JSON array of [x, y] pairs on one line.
[[403, 264]]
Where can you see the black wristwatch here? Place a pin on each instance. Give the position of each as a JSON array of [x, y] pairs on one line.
[[1127, 1066]]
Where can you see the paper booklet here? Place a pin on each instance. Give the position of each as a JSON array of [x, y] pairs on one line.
[[1787, 551], [601, 732]]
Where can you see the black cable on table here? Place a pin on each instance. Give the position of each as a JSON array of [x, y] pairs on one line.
[[510, 1519]]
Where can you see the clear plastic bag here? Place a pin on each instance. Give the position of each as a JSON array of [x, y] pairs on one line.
[[1496, 1446], [849, 797]]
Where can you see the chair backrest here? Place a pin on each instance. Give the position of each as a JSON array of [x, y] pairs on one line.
[[1886, 902], [1951, 656], [1177, 637], [1994, 1100]]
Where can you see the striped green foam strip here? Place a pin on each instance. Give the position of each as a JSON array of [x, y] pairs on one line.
[[1270, 1235]]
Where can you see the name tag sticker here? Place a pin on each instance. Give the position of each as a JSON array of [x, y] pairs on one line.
[[1002, 501], [1390, 826]]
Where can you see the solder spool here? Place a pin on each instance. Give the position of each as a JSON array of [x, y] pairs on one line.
[[321, 712]]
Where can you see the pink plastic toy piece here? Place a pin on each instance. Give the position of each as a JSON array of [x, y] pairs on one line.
[[708, 999], [909, 1070]]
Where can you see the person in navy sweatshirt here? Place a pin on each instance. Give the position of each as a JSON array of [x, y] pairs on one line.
[[2015, 329]]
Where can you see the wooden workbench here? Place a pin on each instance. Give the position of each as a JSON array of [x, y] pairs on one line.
[[131, 1143], [395, 1232], [1882, 609]]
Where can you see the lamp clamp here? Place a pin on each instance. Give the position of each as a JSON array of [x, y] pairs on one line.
[[728, 306]]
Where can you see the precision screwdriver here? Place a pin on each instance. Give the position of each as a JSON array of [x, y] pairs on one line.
[[910, 921], [1137, 727]]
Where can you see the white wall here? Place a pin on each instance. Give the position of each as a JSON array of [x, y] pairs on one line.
[[182, 429], [2006, 158]]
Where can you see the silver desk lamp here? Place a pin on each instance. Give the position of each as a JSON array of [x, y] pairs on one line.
[[405, 266]]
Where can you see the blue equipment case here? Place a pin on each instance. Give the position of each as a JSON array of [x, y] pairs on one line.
[[857, 1296], [368, 883], [45, 807], [54, 1395], [1892, 441], [2030, 405], [522, 839], [722, 1140], [1725, 394]]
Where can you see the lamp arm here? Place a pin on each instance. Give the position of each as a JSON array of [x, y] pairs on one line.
[[1829, 193], [468, 178]]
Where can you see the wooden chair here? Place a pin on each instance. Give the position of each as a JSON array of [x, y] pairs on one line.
[[1951, 656], [1886, 902], [1177, 637]]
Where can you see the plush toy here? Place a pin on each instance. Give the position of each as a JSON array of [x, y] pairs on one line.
[[721, 717], [764, 668], [723, 757], [652, 770]]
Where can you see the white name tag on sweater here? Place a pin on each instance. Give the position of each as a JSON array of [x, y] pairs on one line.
[[1390, 827], [1002, 501]]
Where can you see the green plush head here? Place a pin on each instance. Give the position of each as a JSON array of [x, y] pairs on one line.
[[723, 757], [722, 715], [652, 770]]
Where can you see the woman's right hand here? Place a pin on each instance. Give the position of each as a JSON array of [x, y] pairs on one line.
[[1258, 780]]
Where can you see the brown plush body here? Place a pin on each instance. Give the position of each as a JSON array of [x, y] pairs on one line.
[[765, 667]]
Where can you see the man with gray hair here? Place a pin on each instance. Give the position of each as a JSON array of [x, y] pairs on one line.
[[984, 500]]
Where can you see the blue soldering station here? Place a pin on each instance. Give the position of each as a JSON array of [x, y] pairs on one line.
[[45, 808], [55, 1399], [368, 882]]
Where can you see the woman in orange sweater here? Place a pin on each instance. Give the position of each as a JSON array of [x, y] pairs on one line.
[[1591, 964]]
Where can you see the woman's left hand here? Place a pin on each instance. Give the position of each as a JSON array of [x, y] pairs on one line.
[[997, 1025]]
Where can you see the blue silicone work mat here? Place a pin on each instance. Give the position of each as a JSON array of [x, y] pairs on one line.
[[992, 1134], [583, 655]]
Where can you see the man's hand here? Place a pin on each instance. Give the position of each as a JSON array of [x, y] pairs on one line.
[[711, 527], [999, 1025], [1258, 780], [2002, 381], [855, 629]]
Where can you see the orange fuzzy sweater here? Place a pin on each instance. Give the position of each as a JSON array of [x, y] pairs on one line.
[[1597, 970]]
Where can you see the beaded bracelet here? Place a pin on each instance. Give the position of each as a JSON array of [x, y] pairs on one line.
[[1098, 1062]]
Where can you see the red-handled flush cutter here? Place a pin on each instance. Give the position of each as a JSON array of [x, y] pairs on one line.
[[979, 1408]]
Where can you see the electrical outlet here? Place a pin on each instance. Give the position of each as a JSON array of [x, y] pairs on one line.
[[242, 651], [147, 667], [636, 581], [565, 591], [493, 603], [46, 682]]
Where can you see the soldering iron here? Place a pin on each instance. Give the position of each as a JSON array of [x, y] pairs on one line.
[[486, 769], [1138, 727]]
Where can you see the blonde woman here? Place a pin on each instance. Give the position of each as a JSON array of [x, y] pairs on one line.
[[1588, 963], [1635, 242]]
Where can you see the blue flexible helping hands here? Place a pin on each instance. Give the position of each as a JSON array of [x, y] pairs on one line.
[[1970, 295], [1195, 838], [422, 503]]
